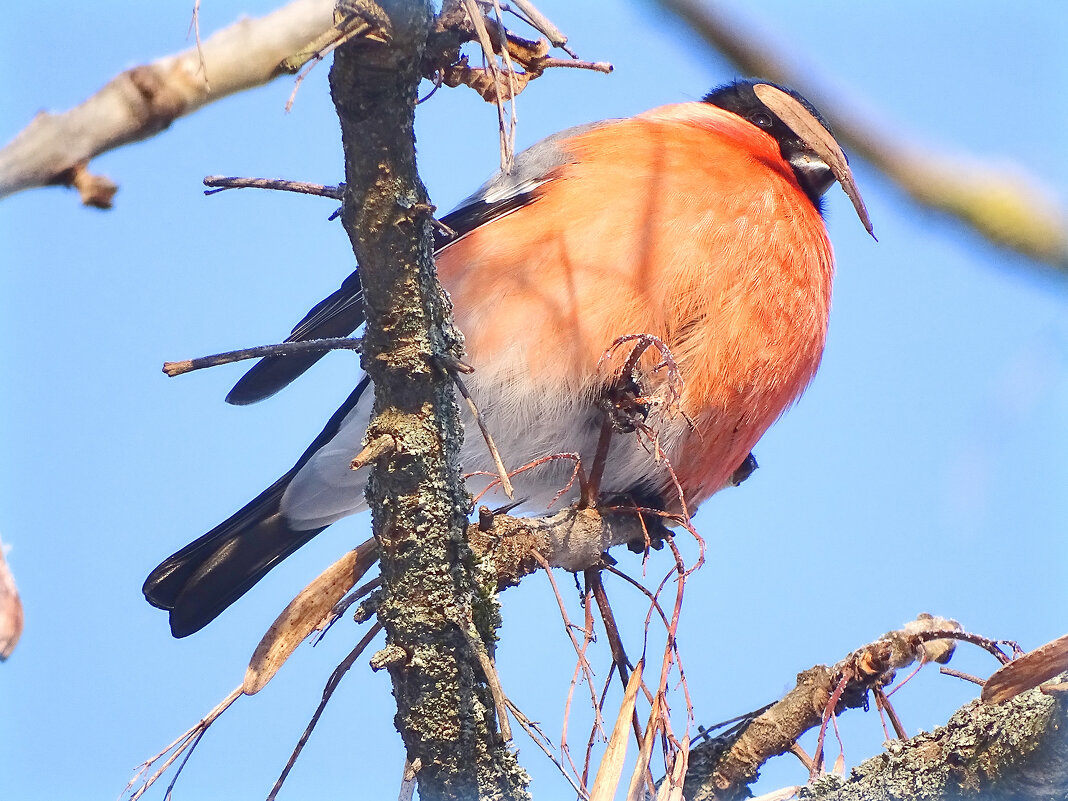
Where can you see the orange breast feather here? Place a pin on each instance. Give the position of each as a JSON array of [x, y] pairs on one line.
[[684, 223]]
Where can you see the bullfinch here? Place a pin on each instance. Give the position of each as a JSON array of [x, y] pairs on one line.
[[693, 230]]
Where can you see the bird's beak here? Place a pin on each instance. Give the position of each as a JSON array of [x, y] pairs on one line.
[[816, 137]]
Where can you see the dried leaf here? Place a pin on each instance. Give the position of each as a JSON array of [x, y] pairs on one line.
[[801, 121], [10, 610], [304, 614], [608, 774], [671, 787], [839, 765], [1027, 672], [637, 779]]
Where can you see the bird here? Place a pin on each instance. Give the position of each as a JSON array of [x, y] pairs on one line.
[[693, 232]]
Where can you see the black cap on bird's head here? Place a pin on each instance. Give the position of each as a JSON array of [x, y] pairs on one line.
[[805, 140]]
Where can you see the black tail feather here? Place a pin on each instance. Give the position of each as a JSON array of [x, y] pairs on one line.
[[335, 316], [198, 582]]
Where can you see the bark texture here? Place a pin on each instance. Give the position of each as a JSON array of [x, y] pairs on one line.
[[1016, 751], [722, 768], [431, 600]]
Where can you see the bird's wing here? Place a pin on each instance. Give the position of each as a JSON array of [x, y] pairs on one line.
[[342, 312]]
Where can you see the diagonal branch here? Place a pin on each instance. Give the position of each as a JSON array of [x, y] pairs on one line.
[[146, 99], [722, 768]]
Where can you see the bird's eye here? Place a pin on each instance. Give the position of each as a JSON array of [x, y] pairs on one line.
[[761, 119]]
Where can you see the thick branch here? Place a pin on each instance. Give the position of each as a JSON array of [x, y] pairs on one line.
[[1016, 751], [572, 539], [445, 711], [144, 100], [722, 768]]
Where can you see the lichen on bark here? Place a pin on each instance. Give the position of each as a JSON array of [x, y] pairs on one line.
[[1016, 751], [445, 712]]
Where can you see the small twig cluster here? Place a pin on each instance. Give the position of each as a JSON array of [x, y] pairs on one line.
[[723, 766]]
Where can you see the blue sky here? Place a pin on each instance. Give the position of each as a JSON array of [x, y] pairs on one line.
[[924, 470]]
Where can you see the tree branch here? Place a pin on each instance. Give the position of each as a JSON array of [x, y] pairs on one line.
[[445, 710], [146, 99], [722, 768], [1016, 751]]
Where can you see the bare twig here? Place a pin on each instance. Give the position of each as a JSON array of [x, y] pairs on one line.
[[588, 760], [502, 472], [545, 745], [582, 664], [958, 674], [366, 22], [493, 679], [726, 766], [328, 691], [542, 24], [375, 449], [883, 704], [194, 26], [532, 56], [489, 53], [407, 791], [187, 740], [173, 369], [576, 473], [220, 183], [591, 489], [342, 606]]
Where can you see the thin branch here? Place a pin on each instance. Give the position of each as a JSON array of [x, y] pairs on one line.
[[545, 745], [194, 27], [502, 472], [375, 449], [542, 24], [220, 183], [957, 674], [184, 742], [583, 663], [407, 790], [883, 704], [173, 369], [328, 691], [482, 34], [489, 670], [342, 606], [724, 766]]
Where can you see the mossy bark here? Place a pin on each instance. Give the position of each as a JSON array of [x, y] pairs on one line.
[[1016, 751], [445, 712]]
